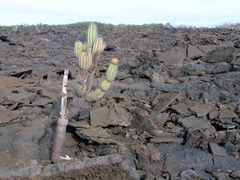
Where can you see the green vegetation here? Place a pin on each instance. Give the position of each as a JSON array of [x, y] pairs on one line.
[[85, 25]]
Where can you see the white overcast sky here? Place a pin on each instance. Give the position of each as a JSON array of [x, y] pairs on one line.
[[177, 12]]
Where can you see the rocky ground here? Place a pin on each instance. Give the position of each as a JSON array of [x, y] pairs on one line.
[[172, 113]]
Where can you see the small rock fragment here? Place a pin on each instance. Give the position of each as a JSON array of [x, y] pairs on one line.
[[217, 150], [235, 174], [167, 140], [190, 175], [202, 110], [105, 117], [196, 123]]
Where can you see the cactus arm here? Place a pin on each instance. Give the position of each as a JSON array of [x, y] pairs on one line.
[[85, 60], [92, 34], [81, 88], [98, 45], [78, 48], [112, 70], [105, 85], [93, 96]]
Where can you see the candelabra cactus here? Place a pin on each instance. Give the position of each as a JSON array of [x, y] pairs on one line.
[[88, 55]]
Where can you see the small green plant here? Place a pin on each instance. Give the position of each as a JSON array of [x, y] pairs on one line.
[[88, 56]]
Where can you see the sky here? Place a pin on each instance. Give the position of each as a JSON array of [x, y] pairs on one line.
[[199, 13]]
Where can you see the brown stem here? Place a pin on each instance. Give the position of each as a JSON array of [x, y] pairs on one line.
[[59, 139], [61, 123]]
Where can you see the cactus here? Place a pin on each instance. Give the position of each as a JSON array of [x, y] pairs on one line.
[[85, 48], [93, 96], [92, 34], [85, 60], [81, 91], [114, 61], [88, 55], [78, 48], [98, 45], [105, 85], [112, 70]]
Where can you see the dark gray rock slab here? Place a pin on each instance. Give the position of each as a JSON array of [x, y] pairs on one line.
[[7, 116], [161, 119], [179, 158], [182, 108], [217, 150], [202, 110], [196, 123], [220, 54], [114, 116], [226, 162], [235, 174], [227, 113], [101, 136], [106, 167]]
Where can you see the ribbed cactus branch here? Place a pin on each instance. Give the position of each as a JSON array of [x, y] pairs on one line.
[[78, 48], [85, 60], [81, 91], [81, 87], [93, 96], [98, 45], [105, 85], [92, 34], [111, 72]]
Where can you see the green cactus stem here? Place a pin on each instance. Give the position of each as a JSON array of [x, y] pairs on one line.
[[112, 70], [85, 60], [78, 48], [105, 85], [92, 34], [93, 96]]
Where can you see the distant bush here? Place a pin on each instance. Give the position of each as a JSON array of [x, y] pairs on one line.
[[229, 26]]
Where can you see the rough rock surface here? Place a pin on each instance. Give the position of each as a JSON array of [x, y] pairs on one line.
[[95, 168], [173, 111]]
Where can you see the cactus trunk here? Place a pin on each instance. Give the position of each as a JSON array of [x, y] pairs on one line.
[[62, 122], [59, 138]]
